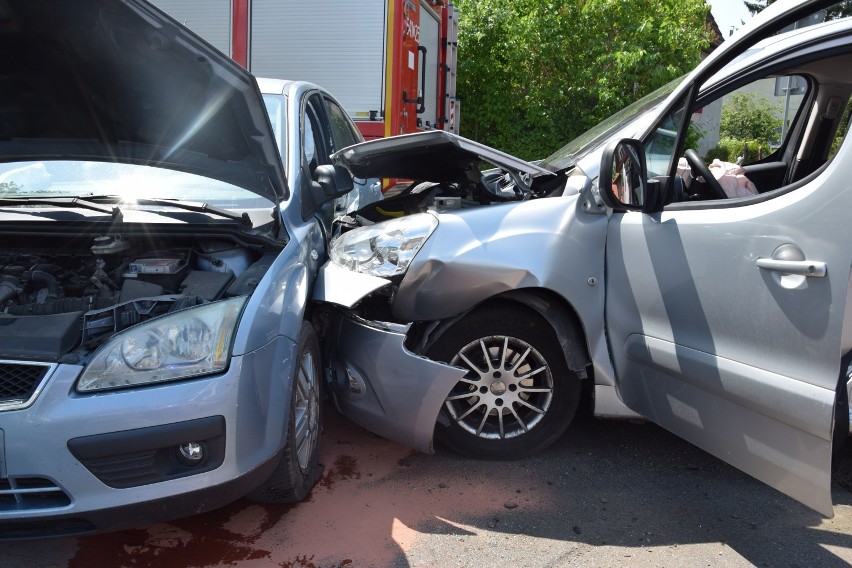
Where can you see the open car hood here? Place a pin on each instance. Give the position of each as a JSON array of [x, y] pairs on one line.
[[432, 155], [120, 81]]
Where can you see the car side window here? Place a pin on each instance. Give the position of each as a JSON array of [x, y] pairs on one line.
[[661, 144], [751, 138], [309, 150], [343, 134], [754, 124], [842, 129], [750, 123], [316, 147]]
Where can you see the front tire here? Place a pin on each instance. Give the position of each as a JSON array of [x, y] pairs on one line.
[[518, 395], [298, 470]]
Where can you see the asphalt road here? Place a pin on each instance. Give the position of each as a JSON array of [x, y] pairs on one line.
[[607, 494]]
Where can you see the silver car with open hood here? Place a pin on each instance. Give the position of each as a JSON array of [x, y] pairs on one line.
[[155, 272]]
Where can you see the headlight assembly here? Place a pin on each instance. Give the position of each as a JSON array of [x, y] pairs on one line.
[[384, 249], [185, 344]]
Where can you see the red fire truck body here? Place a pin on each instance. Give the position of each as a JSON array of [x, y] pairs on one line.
[[390, 63]]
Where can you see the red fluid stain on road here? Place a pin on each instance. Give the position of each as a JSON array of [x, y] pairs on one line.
[[370, 507], [345, 468], [202, 540], [245, 533]]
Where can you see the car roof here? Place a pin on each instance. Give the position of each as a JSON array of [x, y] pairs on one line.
[[793, 40], [272, 86]]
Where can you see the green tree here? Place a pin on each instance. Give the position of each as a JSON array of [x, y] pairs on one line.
[[534, 74], [9, 187], [746, 116], [841, 130], [757, 7]]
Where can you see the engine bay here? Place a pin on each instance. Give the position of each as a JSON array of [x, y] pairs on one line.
[[486, 188], [62, 297]]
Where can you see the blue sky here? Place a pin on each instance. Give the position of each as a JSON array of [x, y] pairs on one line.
[[728, 13]]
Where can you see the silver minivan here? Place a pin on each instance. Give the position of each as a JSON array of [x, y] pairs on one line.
[[483, 306]]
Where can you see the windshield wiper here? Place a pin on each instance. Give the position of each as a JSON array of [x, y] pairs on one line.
[[197, 207], [115, 212], [70, 202]]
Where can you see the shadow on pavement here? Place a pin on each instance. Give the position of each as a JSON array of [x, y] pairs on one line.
[[607, 490]]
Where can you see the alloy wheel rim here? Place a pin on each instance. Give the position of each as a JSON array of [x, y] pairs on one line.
[[306, 411], [507, 390]]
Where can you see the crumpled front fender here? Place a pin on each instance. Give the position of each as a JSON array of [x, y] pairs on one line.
[[337, 285], [380, 385]]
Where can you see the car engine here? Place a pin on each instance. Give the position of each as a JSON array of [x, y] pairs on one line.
[[60, 298]]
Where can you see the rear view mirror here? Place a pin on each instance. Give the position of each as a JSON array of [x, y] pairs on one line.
[[331, 182], [623, 177], [327, 182], [624, 183]]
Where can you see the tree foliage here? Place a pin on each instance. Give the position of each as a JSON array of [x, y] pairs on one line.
[[533, 74], [9, 187], [757, 6], [747, 116], [736, 149]]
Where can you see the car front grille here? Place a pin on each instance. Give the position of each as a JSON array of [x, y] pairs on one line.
[[19, 382], [128, 470], [27, 493]]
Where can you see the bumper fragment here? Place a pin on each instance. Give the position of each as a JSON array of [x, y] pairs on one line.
[[385, 388], [343, 287]]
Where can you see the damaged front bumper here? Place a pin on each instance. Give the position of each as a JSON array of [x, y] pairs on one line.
[[381, 385]]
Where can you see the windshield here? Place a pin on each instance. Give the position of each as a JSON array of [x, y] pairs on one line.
[[572, 152], [123, 182]]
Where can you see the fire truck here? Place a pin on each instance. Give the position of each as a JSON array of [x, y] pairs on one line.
[[391, 63]]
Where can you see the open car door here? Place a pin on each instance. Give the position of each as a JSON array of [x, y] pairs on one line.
[[726, 316]]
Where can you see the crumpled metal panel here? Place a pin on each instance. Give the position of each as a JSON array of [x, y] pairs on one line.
[[398, 394]]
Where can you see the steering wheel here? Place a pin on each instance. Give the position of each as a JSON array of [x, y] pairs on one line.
[[699, 168]]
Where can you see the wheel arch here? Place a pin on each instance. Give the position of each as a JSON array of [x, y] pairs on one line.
[[558, 313]]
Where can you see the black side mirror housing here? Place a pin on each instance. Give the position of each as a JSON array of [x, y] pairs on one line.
[[326, 183], [330, 182]]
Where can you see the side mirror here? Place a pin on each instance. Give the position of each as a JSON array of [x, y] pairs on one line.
[[623, 179], [330, 182], [326, 183], [623, 174]]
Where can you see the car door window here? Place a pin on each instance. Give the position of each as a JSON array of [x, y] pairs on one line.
[[750, 123], [342, 132], [755, 138], [662, 143], [323, 130], [309, 147], [747, 138], [317, 142]]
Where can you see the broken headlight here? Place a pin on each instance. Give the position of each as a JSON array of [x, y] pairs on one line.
[[384, 249], [189, 343]]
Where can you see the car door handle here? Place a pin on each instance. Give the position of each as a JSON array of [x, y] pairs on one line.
[[814, 269]]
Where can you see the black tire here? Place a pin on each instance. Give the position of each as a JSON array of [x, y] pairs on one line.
[[298, 468], [501, 392]]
